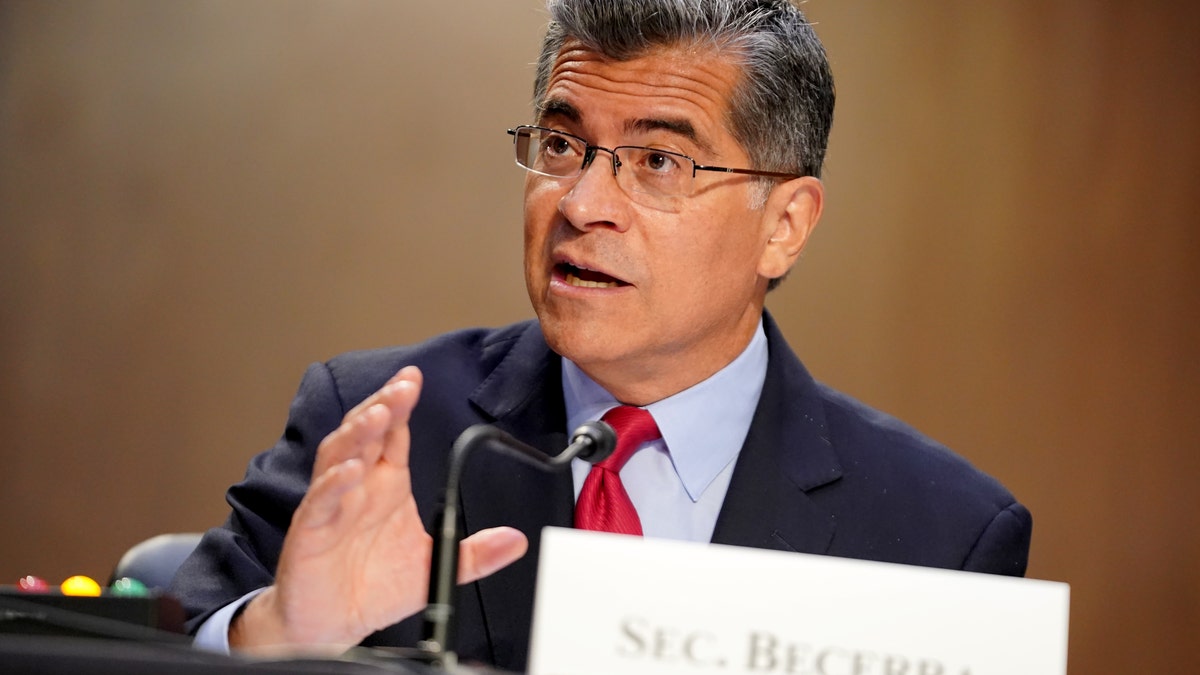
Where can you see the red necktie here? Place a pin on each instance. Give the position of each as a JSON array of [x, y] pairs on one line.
[[603, 504]]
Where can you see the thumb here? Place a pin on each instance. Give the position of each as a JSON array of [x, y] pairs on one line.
[[488, 551]]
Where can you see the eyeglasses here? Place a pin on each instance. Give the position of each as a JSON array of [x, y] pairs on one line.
[[653, 178]]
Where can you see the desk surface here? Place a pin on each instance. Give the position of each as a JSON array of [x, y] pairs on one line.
[[53, 655]]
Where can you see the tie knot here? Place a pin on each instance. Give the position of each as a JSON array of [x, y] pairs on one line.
[[634, 426]]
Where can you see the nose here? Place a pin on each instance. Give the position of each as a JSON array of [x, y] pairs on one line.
[[596, 200]]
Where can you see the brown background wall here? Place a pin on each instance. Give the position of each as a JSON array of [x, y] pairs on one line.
[[197, 199]]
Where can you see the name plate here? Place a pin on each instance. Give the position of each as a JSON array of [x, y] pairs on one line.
[[615, 604]]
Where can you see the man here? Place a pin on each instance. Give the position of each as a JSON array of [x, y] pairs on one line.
[[673, 180]]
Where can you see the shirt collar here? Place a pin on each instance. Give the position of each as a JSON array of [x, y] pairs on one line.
[[703, 426]]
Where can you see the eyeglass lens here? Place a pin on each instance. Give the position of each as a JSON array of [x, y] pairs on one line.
[[639, 171]]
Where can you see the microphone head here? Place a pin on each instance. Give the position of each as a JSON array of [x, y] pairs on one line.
[[599, 438]]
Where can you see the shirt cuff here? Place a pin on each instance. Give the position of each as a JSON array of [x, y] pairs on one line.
[[213, 634]]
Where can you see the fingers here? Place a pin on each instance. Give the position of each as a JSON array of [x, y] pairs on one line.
[[323, 502], [372, 424], [402, 397], [405, 374], [488, 551]]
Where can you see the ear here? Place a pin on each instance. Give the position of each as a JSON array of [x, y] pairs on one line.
[[789, 217]]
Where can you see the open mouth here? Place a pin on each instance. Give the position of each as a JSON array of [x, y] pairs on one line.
[[585, 278]]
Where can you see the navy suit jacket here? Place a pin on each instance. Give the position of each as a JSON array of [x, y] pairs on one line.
[[819, 473]]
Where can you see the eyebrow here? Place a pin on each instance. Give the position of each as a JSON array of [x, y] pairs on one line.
[[677, 125], [557, 107]]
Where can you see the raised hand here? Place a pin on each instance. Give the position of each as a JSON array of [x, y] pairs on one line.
[[356, 557]]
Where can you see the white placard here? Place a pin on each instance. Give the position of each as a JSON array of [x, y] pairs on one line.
[[610, 604]]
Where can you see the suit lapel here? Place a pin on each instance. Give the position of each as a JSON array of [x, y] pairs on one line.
[[786, 454], [522, 396]]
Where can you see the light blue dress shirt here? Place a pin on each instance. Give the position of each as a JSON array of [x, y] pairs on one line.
[[676, 483]]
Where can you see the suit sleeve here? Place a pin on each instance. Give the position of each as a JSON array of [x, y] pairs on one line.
[[1003, 547], [241, 555]]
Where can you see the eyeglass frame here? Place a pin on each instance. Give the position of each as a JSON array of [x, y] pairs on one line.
[[589, 156]]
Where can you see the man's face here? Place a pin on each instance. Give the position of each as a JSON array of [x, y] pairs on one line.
[[648, 300]]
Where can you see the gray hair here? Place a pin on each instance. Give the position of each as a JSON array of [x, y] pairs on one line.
[[782, 109]]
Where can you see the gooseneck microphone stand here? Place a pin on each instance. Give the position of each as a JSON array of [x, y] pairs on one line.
[[593, 441]]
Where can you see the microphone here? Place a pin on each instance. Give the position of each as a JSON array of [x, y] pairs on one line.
[[592, 441]]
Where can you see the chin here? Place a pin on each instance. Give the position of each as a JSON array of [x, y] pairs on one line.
[[576, 340], [564, 337]]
